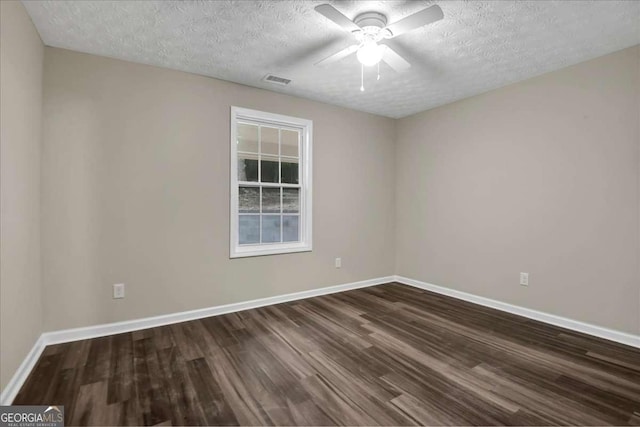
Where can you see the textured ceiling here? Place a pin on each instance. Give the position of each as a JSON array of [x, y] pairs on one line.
[[478, 46]]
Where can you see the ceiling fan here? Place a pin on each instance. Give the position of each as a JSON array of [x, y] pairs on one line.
[[369, 30]]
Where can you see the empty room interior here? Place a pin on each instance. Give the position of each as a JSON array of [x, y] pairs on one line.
[[320, 213]]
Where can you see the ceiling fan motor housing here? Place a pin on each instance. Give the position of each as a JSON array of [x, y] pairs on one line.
[[372, 24], [371, 19]]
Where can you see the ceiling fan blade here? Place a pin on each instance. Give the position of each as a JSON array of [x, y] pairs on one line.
[[336, 16], [418, 19], [395, 61], [338, 56]]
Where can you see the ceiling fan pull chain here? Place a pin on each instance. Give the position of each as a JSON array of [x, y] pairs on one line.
[[361, 77]]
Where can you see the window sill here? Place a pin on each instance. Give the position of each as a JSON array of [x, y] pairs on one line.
[[252, 251]]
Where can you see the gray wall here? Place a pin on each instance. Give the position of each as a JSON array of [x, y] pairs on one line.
[[136, 191], [21, 55], [540, 177]]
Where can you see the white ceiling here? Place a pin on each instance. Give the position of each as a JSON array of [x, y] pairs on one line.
[[478, 46]]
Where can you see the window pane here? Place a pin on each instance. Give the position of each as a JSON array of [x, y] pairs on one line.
[[289, 144], [289, 171], [247, 169], [271, 200], [291, 200], [290, 228], [269, 170], [270, 228], [249, 229], [247, 138], [249, 199], [269, 140]]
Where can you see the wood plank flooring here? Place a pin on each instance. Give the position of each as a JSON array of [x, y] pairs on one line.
[[384, 355]]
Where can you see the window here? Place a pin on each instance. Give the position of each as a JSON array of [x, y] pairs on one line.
[[270, 183]]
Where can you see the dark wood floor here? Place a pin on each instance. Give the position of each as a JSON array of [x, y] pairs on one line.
[[385, 355]]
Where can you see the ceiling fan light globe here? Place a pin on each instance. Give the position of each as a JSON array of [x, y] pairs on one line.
[[370, 54]]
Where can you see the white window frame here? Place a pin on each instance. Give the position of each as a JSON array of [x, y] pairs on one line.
[[304, 177]]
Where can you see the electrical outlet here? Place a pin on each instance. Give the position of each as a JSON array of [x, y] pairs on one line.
[[524, 279], [338, 262], [118, 291]]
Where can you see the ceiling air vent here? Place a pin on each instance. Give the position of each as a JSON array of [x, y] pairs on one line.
[[277, 80]]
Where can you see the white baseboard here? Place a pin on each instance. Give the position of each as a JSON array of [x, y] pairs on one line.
[[15, 383], [563, 322], [67, 335]]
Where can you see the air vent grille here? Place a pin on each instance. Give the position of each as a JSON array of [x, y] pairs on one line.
[[277, 80]]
